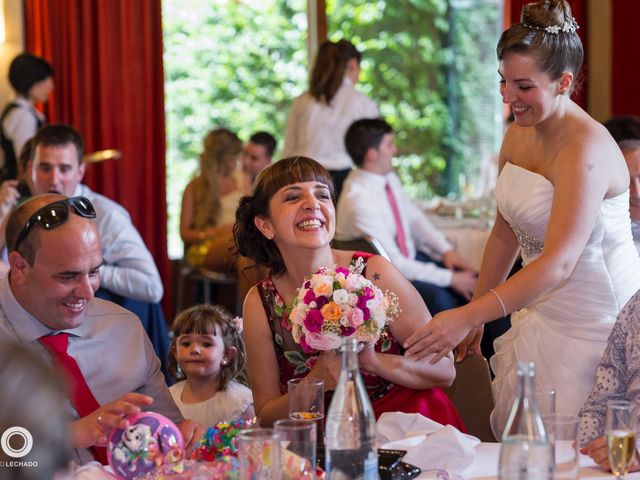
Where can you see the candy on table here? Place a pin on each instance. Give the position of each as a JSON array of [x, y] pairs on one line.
[[224, 468], [219, 440]]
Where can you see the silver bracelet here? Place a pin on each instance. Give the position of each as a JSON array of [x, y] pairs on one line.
[[504, 310]]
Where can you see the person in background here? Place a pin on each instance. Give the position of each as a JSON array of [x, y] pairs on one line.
[[210, 199], [563, 202], [373, 204], [617, 377], [57, 167], [207, 359], [257, 154], [319, 118], [33, 398], [625, 129], [47, 303], [32, 79], [286, 224], [631, 151]]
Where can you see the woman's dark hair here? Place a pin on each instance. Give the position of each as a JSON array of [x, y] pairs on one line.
[[330, 67], [250, 242], [623, 127], [203, 319], [556, 50]]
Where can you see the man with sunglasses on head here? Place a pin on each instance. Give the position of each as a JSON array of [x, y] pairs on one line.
[[129, 276], [47, 303]]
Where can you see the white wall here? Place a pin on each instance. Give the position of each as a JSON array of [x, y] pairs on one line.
[[14, 25]]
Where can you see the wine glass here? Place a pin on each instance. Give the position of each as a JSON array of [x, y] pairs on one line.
[[620, 433]]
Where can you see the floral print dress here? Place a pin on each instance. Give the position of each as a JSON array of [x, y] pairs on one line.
[[385, 396]]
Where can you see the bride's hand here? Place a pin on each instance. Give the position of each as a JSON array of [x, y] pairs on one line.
[[471, 344], [440, 336]]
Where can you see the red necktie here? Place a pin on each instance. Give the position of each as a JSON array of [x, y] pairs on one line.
[[400, 240], [80, 395]]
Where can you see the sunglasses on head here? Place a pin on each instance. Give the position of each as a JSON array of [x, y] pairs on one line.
[[55, 214]]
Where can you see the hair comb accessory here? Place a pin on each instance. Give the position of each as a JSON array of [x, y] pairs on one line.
[[567, 27], [238, 323]]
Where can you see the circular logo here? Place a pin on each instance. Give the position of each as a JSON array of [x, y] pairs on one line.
[[27, 442]]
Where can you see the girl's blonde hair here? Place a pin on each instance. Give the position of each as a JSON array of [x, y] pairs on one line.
[[203, 319]]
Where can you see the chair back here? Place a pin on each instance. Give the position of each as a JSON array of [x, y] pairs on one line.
[[472, 396], [359, 244]]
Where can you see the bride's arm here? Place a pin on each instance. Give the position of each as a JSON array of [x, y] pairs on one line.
[[582, 178]]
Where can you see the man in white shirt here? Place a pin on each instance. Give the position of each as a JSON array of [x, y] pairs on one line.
[[374, 204]]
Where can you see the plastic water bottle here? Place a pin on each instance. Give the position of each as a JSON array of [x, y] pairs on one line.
[[350, 451], [526, 452]]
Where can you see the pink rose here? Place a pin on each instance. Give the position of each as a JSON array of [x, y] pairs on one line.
[[355, 317], [313, 321], [323, 341]]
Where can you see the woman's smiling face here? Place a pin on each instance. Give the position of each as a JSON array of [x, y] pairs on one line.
[[300, 214], [531, 93]]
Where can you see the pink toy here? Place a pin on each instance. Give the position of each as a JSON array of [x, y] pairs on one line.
[[150, 440]]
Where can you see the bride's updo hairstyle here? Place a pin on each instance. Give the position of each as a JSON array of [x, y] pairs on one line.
[[250, 242], [546, 30]]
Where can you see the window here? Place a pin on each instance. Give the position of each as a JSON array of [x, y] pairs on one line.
[[230, 64], [429, 64]]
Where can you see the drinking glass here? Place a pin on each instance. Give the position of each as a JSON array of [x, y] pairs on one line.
[[306, 398], [562, 430], [306, 402], [546, 400], [620, 433], [297, 448], [259, 454]]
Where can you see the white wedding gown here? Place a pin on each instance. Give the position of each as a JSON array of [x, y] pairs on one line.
[[565, 330]]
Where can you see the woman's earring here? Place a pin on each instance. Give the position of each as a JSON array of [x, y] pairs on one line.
[[224, 363]]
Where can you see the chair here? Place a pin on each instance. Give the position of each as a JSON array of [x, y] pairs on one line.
[[190, 273], [472, 396], [360, 244]]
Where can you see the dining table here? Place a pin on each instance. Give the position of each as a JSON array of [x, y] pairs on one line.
[[485, 466], [467, 235]]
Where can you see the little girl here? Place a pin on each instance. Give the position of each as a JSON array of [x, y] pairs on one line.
[[207, 353]]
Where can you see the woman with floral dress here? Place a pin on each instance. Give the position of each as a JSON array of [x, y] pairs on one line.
[[286, 224]]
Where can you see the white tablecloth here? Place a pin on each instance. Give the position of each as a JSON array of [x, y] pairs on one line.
[[485, 466]]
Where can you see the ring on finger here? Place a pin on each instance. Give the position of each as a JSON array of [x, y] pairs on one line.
[[100, 419]]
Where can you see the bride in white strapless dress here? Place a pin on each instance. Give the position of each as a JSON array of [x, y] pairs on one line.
[[565, 330], [563, 200]]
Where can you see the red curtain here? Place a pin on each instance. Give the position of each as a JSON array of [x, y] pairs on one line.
[[512, 9], [624, 53], [109, 84]]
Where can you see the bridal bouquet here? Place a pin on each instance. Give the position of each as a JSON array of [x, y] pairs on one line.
[[339, 302]]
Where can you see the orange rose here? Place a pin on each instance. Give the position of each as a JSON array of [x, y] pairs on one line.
[[323, 289], [331, 311]]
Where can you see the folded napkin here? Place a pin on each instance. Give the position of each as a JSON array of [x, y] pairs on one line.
[[429, 444]]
